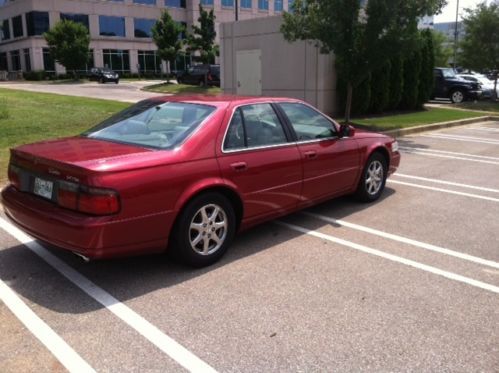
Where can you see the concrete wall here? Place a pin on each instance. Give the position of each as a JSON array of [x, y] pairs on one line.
[[288, 69]]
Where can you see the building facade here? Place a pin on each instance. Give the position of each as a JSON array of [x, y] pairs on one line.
[[120, 30]]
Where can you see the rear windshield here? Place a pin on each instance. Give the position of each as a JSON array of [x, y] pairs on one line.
[[152, 124]]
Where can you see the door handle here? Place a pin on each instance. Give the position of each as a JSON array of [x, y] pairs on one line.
[[311, 154], [239, 166]]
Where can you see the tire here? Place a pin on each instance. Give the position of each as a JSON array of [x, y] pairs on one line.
[[102, 81], [373, 179], [201, 83], [194, 231], [116, 81], [457, 96]]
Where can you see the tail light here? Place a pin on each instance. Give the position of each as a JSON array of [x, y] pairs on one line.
[[14, 175], [95, 201]]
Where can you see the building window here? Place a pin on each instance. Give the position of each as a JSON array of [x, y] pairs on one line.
[[3, 62], [37, 23], [27, 60], [175, 3], [183, 34], [278, 5], [143, 27], [246, 4], [48, 61], [111, 26], [15, 60], [5, 30], [17, 25], [228, 3], [263, 4], [77, 18], [290, 6], [146, 2], [149, 62], [117, 60], [207, 2]]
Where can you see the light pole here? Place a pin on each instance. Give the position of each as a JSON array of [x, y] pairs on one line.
[[456, 35], [236, 3]]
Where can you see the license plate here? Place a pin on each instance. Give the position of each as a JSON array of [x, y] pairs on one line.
[[43, 188]]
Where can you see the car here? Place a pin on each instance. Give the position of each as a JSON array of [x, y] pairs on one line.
[[486, 85], [184, 174], [202, 75], [103, 75], [448, 85]]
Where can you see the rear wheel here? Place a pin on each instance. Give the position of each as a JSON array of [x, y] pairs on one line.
[[204, 230], [373, 179]]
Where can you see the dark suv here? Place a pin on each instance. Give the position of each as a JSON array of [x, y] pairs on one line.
[[200, 75], [103, 75], [449, 85]]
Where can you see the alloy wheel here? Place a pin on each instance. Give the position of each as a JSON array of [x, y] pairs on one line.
[[208, 229], [374, 177]]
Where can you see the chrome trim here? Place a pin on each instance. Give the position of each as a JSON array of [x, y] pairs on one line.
[[86, 259]]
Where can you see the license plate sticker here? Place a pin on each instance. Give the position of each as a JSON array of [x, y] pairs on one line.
[[43, 188]]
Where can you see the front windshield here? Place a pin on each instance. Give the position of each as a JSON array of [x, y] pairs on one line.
[[150, 123], [448, 73]]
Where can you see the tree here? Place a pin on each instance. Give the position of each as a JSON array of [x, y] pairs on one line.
[[361, 39], [68, 43], [441, 50], [380, 88], [425, 88], [480, 46], [396, 80], [166, 35], [412, 72], [203, 37]]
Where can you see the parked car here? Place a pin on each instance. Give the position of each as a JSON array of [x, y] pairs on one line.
[[448, 85], [103, 75], [187, 173], [200, 75], [486, 85]]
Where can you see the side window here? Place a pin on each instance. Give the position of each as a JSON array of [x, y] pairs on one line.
[[253, 126], [308, 123]]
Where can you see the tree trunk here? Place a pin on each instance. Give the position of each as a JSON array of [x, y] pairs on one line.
[[348, 105]]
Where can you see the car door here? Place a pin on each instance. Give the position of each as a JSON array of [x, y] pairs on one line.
[[331, 164], [260, 159]]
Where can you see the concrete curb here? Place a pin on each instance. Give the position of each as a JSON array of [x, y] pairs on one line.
[[435, 126]]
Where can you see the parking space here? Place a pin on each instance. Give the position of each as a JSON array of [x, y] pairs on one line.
[[409, 283]]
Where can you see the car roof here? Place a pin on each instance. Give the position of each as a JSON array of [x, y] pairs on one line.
[[223, 100]]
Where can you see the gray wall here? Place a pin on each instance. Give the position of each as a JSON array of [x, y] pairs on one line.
[[287, 69]]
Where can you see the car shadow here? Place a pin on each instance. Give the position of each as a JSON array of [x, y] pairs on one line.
[[133, 277]]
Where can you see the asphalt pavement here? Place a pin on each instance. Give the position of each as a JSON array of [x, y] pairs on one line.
[[409, 283]]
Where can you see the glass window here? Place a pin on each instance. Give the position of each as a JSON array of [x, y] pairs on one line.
[[27, 60], [308, 123], [17, 25], [149, 61], [278, 5], [111, 26], [151, 123], [3, 61], [207, 2], [78, 18], [228, 3], [235, 138], [48, 61], [263, 4], [175, 3], [37, 23], [147, 2], [117, 60], [5, 30], [143, 27], [246, 4], [15, 60], [290, 6]]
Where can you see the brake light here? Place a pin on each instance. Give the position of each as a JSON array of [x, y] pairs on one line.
[[14, 175], [67, 195], [95, 201]]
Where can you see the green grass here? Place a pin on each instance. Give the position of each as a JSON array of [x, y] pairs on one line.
[[404, 120], [181, 89], [36, 116], [480, 105]]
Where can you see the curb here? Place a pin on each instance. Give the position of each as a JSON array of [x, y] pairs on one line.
[[435, 126]]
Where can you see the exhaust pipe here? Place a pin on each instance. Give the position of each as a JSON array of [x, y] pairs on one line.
[[85, 258]]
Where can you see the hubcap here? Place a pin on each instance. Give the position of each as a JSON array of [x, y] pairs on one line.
[[374, 179], [208, 229], [457, 96]]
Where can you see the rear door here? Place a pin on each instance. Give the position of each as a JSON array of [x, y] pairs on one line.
[[260, 159], [330, 164]]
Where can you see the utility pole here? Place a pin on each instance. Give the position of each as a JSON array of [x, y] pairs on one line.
[[456, 35], [236, 4]]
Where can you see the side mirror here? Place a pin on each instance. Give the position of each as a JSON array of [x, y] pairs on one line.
[[346, 131]]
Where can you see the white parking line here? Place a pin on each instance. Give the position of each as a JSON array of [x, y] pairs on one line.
[[444, 190], [165, 343], [394, 237], [437, 181], [448, 137], [430, 154], [463, 137], [394, 258], [50, 339], [447, 152]]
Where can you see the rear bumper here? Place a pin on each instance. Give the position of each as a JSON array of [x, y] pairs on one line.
[[93, 237]]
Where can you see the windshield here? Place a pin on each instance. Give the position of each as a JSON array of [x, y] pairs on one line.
[[150, 123], [448, 73]]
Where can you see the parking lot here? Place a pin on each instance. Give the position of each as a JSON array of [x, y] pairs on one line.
[[409, 283]]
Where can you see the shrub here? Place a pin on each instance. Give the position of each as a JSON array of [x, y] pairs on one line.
[[380, 89], [361, 97], [412, 72], [396, 81], [35, 75], [427, 63]]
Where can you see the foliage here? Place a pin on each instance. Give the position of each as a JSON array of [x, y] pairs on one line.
[[36, 75], [442, 52], [68, 43], [425, 88], [396, 81], [360, 39], [412, 70], [166, 35], [362, 97], [380, 89], [203, 37], [182, 88]]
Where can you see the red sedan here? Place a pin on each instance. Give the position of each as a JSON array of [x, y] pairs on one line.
[[187, 173]]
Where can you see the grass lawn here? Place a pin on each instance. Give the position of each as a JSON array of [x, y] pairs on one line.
[[182, 88], [480, 105], [428, 116], [36, 116]]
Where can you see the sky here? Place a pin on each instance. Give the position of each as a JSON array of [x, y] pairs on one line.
[[449, 12]]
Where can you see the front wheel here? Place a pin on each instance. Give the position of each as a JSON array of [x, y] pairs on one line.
[[373, 179], [204, 230], [457, 96]]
